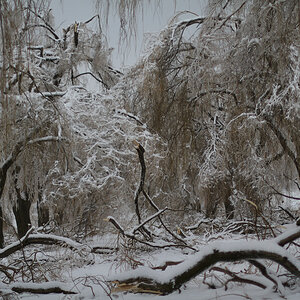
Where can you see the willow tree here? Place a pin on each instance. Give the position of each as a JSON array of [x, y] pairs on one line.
[[37, 67], [225, 98]]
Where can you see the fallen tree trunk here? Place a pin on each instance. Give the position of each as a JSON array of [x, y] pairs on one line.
[[146, 280], [41, 288]]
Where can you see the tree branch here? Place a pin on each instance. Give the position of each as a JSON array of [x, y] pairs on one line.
[[150, 281], [90, 73], [149, 219], [43, 239], [140, 150], [43, 26], [237, 278]]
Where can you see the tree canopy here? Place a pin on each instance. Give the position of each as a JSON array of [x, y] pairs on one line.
[[203, 129]]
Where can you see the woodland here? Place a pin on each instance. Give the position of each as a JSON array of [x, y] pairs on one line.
[[179, 177]]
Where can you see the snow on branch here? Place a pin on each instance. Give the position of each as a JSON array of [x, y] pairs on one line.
[[147, 280], [43, 239], [46, 139], [149, 219], [53, 94]]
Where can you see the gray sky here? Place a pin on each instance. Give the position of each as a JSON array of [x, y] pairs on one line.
[[152, 19]]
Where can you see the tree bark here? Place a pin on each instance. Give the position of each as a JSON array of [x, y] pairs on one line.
[[1, 228], [21, 209], [22, 214]]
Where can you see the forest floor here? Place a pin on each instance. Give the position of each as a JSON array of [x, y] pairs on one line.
[[87, 274]]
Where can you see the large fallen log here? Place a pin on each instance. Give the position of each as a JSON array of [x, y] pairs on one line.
[[147, 280]]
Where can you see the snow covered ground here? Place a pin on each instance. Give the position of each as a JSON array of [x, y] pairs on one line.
[[88, 280], [86, 269]]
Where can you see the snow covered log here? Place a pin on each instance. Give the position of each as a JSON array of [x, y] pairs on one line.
[[43, 239], [147, 280]]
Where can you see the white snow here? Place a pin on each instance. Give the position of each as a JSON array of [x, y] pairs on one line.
[[89, 281]]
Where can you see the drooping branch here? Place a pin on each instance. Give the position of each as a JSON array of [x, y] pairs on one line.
[[220, 91], [288, 212], [41, 18], [149, 219], [92, 18], [141, 152], [124, 113], [283, 195], [229, 17], [46, 139], [263, 270], [19, 147], [162, 223], [43, 26]]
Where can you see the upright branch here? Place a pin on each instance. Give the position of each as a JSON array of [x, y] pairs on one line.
[[141, 227], [140, 150]]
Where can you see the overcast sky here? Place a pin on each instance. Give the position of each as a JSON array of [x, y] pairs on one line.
[[152, 19]]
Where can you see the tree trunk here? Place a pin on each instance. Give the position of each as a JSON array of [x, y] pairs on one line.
[[229, 208], [43, 213], [21, 208], [22, 214], [1, 228]]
